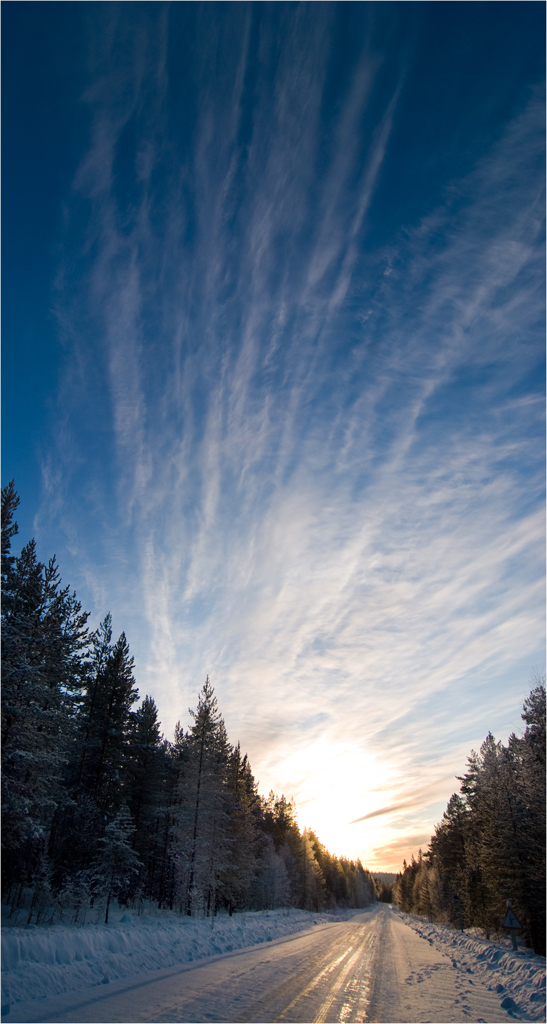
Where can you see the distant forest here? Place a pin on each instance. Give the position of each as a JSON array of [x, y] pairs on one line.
[[97, 806], [490, 844]]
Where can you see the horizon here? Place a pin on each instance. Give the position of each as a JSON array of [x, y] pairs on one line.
[[273, 374]]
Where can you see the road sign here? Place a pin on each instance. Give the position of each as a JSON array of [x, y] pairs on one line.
[[510, 920]]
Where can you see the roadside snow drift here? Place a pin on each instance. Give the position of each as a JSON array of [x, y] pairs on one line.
[[519, 978]]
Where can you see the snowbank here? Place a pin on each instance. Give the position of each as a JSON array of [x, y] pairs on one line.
[[519, 978], [39, 962]]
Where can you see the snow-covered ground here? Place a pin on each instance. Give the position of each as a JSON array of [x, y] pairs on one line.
[[40, 962], [518, 977], [451, 976]]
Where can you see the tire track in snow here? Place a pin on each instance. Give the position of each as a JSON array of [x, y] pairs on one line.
[[344, 966], [322, 977], [341, 985]]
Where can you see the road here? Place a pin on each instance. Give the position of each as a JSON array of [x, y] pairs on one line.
[[371, 968]]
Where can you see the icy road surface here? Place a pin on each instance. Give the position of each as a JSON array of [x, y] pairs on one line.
[[373, 967]]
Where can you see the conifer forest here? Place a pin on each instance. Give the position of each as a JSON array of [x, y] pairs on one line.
[[490, 845], [99, 807]]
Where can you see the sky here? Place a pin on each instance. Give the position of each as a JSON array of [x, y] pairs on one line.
[[273, 372]]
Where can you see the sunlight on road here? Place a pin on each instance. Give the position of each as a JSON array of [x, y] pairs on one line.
[[373, 967]]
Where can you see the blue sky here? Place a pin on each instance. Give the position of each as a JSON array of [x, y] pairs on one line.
[[273, 372]]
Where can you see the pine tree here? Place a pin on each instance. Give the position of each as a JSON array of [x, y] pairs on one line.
[[145, 762], [98, 774], [169, 869], [496, 843], [148, 767], [278, 820], [490, 844], [10, 503], [270, 886], [202, 816], [530, 785], [106, 722], [243, 809], [44, 641], [448, 851], [312, 883], [117, 864]]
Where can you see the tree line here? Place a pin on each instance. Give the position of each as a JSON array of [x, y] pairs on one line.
[[97, 806], [490, 845]]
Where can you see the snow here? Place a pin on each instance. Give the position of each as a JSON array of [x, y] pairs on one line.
[[428, 972], [518, 977], [44, 961]]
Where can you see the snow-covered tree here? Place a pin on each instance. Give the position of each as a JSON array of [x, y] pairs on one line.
[[117, 863]]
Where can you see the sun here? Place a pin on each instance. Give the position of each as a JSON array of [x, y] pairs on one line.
[[333, 783]]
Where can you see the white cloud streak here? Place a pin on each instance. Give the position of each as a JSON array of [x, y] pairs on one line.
[[340, 533]]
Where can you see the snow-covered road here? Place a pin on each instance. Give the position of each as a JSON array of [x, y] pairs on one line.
[[372, 967], [416, 981]]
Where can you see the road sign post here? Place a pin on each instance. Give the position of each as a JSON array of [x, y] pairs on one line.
[[510, 922]]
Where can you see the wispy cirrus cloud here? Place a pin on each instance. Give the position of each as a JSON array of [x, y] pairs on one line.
[[420, 797], [301, 461]]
